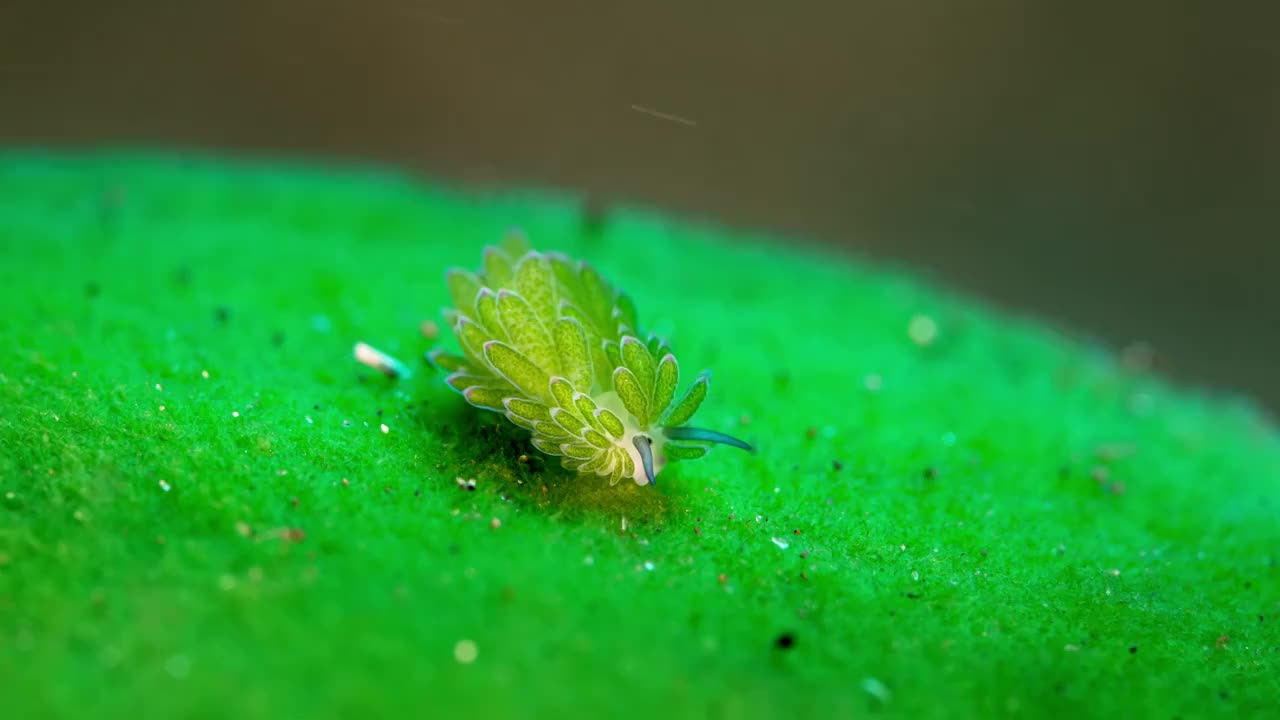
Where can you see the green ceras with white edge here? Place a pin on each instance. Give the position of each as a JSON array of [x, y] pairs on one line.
[[551, 345]]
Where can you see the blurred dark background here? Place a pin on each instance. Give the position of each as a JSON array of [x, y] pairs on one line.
[[1111, 167]]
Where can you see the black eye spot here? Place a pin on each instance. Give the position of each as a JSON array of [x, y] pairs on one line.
[[785, 641]]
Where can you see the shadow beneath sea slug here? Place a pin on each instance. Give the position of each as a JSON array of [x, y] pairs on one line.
[[504, 462]]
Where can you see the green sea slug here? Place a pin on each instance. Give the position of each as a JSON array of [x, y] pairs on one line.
[[551, 345]]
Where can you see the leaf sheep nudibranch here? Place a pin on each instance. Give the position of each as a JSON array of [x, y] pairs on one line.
[[551, 345]]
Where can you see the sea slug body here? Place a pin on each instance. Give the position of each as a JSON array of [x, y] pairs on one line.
[[551, 345]]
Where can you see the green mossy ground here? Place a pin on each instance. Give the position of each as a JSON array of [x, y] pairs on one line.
[[1012, 524]]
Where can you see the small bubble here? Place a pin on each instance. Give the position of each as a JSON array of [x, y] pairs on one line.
[[165, 486], [385, 429], [204, 374], [648, 565], [923, 330], [915, 575], [235, 413], [465, 652]]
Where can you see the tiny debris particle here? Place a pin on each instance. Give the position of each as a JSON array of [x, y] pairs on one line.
[[161, 410], [812, 432], [235, 413], [346, 423], [204, 374], [785, 641], [837, 465], [1138, 356], [797, 531], [429, 329], [923, 330], [293, 501], [930, 473], [370, 356], [723, 578], [495, 523], [345, 482], [1222, 642], [781, 543], [648, 565], [293, 534], [1133, 649], [243, 529], [165, 486], [876, 689], [624, 523], [465, 652], [385, 429], [523, 458], [309, 420], [1070, 648], [873, 383]]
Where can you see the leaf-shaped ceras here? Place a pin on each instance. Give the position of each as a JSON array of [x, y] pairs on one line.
[[552, 345]]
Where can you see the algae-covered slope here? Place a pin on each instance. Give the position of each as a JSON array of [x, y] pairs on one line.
[[202, 516]]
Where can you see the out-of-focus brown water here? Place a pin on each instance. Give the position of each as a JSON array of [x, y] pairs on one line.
[[1112, 169]]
